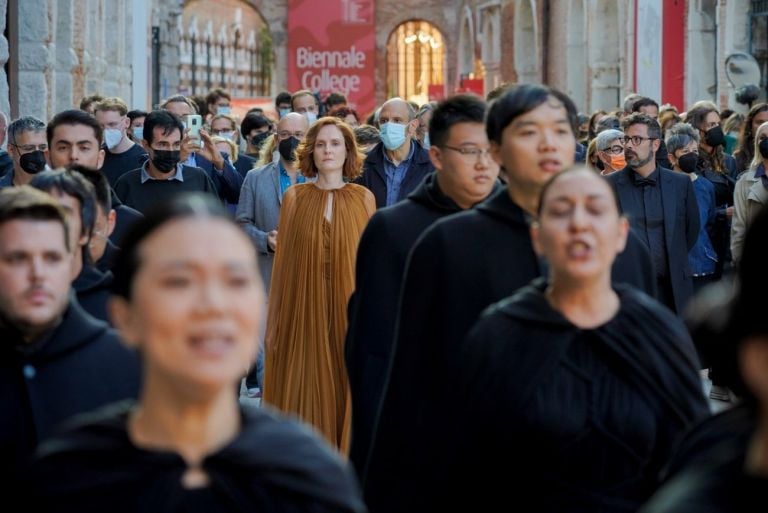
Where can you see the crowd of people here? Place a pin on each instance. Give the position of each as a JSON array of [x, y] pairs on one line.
[[419, 298]]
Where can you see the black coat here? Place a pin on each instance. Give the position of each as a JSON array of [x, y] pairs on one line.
[[459, 266], [681, 224], [92, 287], [272, 465], [557, 417], [125, 217], [244, 163], [392, 231], [375, 178], [78, 367], [712, 476]]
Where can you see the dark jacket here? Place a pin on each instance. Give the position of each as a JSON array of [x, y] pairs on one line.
[[559, 417], [375, 178], [125, 216], [6, 163], [244, 163], [108, 258], [681, 224], [93, 288], [272, 465], [392, 231], [227, 182], [458, 267], [81, 365]]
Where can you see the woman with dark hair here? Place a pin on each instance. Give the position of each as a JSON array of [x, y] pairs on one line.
[[193, 311], [751, 194], [722, 465], [312, 280], [745, 149], [576, 388], [592, 126]]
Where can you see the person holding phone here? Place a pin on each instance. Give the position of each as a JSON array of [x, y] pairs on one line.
[[201, 151]]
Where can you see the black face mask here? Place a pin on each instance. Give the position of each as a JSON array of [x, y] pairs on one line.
[[287, 147], [258, 139], [688, 162], [32, 162], [165, 160], [714, 137], [763, 147]]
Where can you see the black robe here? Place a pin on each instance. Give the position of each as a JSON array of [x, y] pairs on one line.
[[272, 465], [552, 416], [714, 480], [381, 257], [459, 266], [80, 366]]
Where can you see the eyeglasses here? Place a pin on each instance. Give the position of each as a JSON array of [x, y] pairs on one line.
[[614, 150], [284, 134], [636, 140], [470, 153], [28, 148]]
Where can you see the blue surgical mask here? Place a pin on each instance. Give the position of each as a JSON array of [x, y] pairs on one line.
[[392, 135], [112, 137], [284, 112], [426, 142], [311, 117], [223, 110], [138, 133]]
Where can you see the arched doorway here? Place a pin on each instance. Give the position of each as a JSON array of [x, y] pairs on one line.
[[491, 47], [466, 45], [526, 46], [227, 44], [415, 61]]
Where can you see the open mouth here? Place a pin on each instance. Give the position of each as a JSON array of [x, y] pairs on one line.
[[211, 345]]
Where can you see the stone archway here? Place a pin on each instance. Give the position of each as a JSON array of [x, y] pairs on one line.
[[466, 44], [415, 60], [491, 47], [526, 43]]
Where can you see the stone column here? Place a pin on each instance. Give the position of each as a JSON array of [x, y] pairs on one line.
[[95, 62], [34, 58], [5, 103], [66, 59]]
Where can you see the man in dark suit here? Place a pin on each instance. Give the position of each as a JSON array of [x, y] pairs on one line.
[[662, 209], [397, 165]]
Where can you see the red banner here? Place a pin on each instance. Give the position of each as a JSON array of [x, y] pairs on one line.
[[332, 48]]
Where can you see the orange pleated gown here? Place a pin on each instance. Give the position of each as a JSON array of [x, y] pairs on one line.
[[312, 280]]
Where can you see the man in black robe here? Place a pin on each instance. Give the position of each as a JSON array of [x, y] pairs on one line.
[[55, 359], [464, 175], [463, 264]]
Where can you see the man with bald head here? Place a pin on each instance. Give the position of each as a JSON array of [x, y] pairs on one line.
[[398, 164], [259, 207]]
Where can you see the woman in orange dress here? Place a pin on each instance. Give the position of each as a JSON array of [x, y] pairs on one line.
[[312, 278]]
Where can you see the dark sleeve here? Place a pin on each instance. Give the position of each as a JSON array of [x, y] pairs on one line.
[[415, 384], [228, 182], [692, 220], [662, 156]]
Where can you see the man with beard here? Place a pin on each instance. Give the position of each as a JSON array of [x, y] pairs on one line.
[[28, 150], [163, 176], [459, 266], [465, 174], [662, 209]]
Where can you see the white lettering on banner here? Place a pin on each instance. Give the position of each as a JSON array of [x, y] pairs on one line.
[[308, 60]]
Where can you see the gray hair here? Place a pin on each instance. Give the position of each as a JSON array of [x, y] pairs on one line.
[[24, 124], [679, 136], [606, 137]]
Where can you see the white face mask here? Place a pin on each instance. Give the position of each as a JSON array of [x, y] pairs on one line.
[[311, 117], [112, 137], [138, 133], [228, 135]]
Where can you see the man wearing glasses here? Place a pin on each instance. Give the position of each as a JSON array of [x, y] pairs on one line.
[[259, 207], [610, 151], [28, 148], [662, 209]]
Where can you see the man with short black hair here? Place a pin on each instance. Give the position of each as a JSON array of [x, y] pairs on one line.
[[283, 104], [102, 251], [163, 175], [74, 138], [465, 174], [56, 361], [255, 130], [396, 166], [333, 102], [28, 149], [662, 209]]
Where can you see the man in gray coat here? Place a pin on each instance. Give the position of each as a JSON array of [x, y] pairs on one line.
[[258, 210]]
